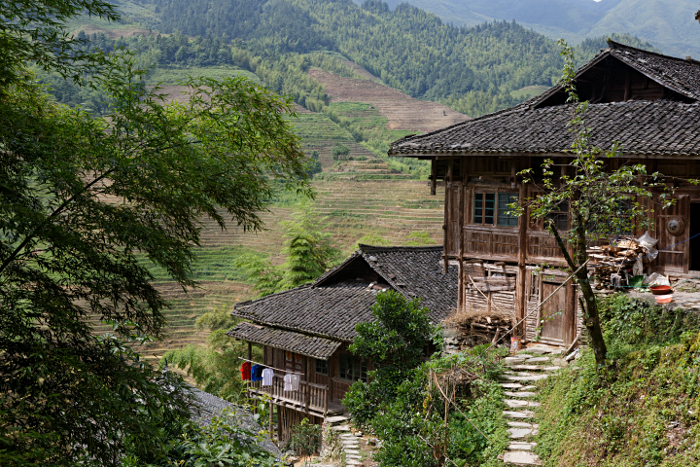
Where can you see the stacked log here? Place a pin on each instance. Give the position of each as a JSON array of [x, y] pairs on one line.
[[613, 263]]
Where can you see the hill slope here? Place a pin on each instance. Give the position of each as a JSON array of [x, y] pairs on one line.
[[669, 24]]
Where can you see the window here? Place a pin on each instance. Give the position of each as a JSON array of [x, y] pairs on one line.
[[505, 218], [560, 216], [322, 367], [492, 209], [352, 368]]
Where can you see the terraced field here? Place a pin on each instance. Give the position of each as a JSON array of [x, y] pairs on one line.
[[391, 209]]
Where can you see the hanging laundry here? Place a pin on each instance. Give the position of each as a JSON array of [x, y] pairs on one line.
[[267, 375], [295, 382], [245, 371], [288, 382], [256, 373]]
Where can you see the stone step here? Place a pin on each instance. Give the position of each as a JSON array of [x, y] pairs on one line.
[[520, 458], [337, 420], [516, 446], [552, 368], [511, 385], [522, 433], [539, 360], [508, 360], [523, 425], [519, 394], [520, 404], [523, 378], [518, 414], [341, 428], [527, 367]]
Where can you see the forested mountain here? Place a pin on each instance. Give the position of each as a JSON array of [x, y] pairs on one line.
[[474, 70], [667, 23]]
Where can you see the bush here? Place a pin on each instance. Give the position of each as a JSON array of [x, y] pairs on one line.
[[635, 321], [340, 152], [306, 438]]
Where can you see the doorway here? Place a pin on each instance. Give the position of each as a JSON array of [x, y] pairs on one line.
[[694, 242], [557, 315]]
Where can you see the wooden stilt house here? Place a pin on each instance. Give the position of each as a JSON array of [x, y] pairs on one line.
[[307, 330], [647, 102]]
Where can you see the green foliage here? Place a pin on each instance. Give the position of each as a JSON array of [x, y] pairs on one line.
[[32, 31], [419, 239], [340, 151], [223, 443], [308, 251], [636, 322], [411, 420], [80, 197], [214, 367], [643, 410], [396, 343], [306, 438]]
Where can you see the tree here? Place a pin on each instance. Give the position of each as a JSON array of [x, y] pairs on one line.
[[396, 343], [32, 31], [601, 202], [340, 151], [85, 204], [308, 250]]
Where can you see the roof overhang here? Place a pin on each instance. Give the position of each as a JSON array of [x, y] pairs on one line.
[[304, 344]]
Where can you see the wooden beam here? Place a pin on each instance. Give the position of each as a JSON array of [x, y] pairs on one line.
[[520, 286], [445, 226], [433, 177], [308, 388]]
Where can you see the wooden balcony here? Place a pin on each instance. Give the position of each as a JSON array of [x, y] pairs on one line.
[[501, 244], [310, 398]]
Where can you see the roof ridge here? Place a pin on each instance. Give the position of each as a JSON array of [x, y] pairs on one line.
[[619, 45], [375, 248]]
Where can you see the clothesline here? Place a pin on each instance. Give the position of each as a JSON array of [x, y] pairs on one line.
[[271, 367]]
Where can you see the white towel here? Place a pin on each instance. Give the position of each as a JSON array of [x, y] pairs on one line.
[[267, 377], [288, 382], [295, 382]]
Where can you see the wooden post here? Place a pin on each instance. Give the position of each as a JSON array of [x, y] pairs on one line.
[[433, 176], [462, 203], [308, 388], [445, 226], [270, 422], [520, 286]]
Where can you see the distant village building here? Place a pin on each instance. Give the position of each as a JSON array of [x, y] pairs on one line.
[[306, 330], [645, 101]]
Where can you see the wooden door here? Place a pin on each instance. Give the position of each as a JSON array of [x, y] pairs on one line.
[[673, 249], [453, 192], [557, 315]]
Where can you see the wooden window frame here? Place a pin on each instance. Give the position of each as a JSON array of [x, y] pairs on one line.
[[359, 365], [496, 194], [322, 367]]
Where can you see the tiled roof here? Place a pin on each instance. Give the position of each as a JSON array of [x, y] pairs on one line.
[[682, 76], [304, 344], [332, 309], [417, 272], [208, 406], [643, 128]]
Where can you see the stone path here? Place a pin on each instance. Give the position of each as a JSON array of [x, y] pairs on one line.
[[525, 369], [350, 441]]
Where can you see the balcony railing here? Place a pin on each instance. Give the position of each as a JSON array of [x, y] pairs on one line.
[[501, 244], [310, 397]]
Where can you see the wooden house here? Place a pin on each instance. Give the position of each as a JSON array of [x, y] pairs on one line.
[[307, 330], [647, 102]]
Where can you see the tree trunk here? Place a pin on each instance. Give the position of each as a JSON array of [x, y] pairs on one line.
[[590, 310]]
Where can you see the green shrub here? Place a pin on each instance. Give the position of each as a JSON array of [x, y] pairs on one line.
[[339, 151], [306, 438]]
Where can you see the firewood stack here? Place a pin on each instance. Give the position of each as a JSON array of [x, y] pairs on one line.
[[611, 263], [482, 329]]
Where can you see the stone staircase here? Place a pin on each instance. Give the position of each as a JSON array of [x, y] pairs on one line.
[[524, 370]]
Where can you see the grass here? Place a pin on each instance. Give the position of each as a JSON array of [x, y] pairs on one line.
[[641, 410], [174, 75]]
